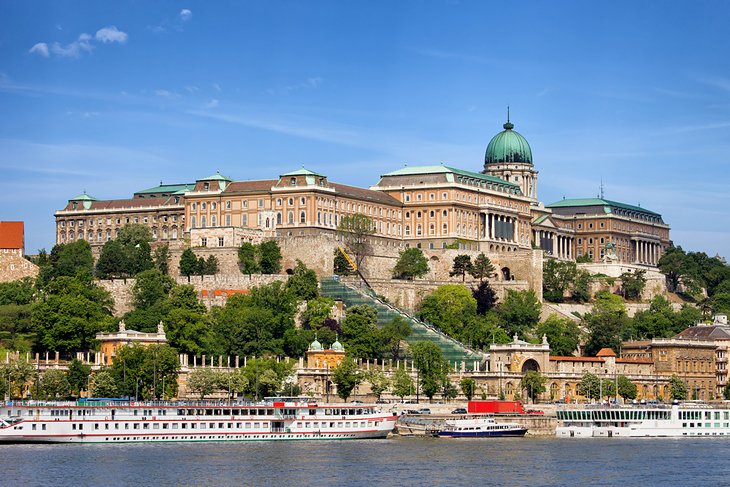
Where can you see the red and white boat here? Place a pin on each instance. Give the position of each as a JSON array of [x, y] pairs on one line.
[[115, 421]]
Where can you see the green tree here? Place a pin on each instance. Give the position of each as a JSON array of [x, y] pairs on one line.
[[78, 376], [589, 386], [16, 326], [562, 334], [606, 323], [356, 230], [266, 376], [341, 266], [520, 311], [317, 311], [202, 381], [188, 331], [633, 284], [54, 384], [411, 264], [234, 382], [626, 388], [161, 257], [581, 286], [210, 268], [303, 282], [533, 383], [188, 263], [448, 308], [113, 261], [379, 383], [675, 265], [431, 365], [104, 385], [482, 268], [151, 288], [135, 239], [677, 388], [18, 292], [557, 277], [17, 376], [360, 333], [248, 258], [402, 383], [726, 392], [70, 314], [72, 258], [270, 257], [485, 296], [346, 376], [142, 371], [461, 267], [468, 387], [392, 334]]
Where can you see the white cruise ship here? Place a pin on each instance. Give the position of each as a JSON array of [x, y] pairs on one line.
[[112, 421], [675, 420]]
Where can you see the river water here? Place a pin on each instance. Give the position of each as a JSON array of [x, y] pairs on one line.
[[399, 461]]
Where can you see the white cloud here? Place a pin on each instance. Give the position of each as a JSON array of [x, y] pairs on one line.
[[217, 87], [40, 48], [186, 14], [74, 49], [212, 103], [163, 93], [111, 34]]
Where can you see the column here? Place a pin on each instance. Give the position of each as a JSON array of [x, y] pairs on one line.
[[491, 225], [515, 236]]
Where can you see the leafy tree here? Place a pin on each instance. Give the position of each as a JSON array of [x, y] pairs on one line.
[[356, 230], [18, 292], [317, 311], [656, 322], [402, 383], [562, 335], [104, 385], [533, 382], [247, 258], [589, 386], [266, 376], [270, 257], [482, 268], [16, 326], [485, 296], [674, 264], [379, 383], [70, 314], [234, 382], [449, 391], [468, 387], [520, 311], [341, 266], [346, 376], [161, 258], [392, 334], [431, 365], [210, 268], [54, 384], [141, 371], [462, 266], [78, 376], [720, 303], [581, 286], [606, 323], [360, 333], [448, 307], [151, 288], [726, 392], [626, 388], [188, 331], [411, 264], [113, 261], [677, 388], [135, 239], [66, 260], [557, 277], [633, 284], [188, 263], [303, 282], [16, 376], [203, 381], [584, 259]]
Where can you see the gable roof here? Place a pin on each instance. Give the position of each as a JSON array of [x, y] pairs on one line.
[[441, 169], [607, 204], [11, 235]]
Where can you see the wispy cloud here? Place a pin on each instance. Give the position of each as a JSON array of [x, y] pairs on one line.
[[186, 15], [311, 83], [453, 56], [173, 23], [111, 34], [717, 82], [40, 48], [212, 103], [83, 44]]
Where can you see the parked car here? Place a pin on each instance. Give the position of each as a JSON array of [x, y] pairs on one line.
[[459, 411], [424, 411]]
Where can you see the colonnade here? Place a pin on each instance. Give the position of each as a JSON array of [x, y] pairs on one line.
[[646, 251], [560, 246], [499, 227]]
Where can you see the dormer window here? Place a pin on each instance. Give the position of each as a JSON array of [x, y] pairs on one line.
[[206, 186], [293, 181], [73, 205]]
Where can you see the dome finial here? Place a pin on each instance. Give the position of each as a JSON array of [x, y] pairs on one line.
[[509, 125]]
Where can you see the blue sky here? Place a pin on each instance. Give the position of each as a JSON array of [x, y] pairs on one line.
[[114, 97]]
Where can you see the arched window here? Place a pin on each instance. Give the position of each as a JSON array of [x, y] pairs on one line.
[[202, 206], [290, 218], [432, 229], [202, 221], [445, 228], [213, 221], [174, 233], [278, 218], [408, 229], [302, 217], [419, 230], [192, 221]]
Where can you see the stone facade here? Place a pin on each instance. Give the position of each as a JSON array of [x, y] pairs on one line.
[[13, 264]]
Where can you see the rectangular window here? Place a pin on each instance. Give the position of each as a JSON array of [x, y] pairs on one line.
[[220, 241], [203, 242]]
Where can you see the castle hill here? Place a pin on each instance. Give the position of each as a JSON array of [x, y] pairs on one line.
[[427, 283]]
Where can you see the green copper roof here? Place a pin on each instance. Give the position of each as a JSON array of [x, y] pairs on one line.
[[84, 197], [508, 146], [302, 171], [168, 188], [540, 219], [607, 204], [441, 169], [216, 177]]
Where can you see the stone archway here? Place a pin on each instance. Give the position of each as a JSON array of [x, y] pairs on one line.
[[506, 274], [530, 364]]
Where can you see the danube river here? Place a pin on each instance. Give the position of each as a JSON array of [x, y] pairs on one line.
[[401, 461]]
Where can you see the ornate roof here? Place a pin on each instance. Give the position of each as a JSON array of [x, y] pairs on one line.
[[508, 146]]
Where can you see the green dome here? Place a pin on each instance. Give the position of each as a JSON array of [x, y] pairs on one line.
[[508, 146], [315, 345], [337, 346]]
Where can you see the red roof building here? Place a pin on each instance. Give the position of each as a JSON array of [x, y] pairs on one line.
[[11, 235]]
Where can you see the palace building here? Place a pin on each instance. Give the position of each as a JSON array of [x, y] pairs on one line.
[[433, 207]]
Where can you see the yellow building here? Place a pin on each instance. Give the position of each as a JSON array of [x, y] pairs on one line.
[[113, 341]]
